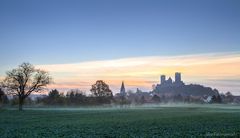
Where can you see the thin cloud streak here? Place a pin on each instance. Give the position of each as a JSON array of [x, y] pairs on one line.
[[141, 72]]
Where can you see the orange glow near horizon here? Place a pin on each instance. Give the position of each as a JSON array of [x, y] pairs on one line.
[[209, 69], [219, 71]]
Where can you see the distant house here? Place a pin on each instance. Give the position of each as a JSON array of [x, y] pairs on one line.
[[208, 99]]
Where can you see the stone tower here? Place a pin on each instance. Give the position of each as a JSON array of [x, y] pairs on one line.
[[178, 78]]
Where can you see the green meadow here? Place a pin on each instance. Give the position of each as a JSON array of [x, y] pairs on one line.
[[141, 121]]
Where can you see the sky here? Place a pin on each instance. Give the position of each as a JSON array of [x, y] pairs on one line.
[[80, 41]]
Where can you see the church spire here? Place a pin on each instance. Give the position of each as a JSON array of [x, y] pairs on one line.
[[122, 90]]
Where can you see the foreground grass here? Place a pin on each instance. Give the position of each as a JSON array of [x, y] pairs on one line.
[[169, 121]]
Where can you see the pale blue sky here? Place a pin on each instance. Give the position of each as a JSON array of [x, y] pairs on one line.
[[69, 31]]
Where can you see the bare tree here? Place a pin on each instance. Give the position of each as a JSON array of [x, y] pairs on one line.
[[24, 80]]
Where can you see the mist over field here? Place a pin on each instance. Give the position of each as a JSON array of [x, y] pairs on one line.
[[206, 107], [172, 120]]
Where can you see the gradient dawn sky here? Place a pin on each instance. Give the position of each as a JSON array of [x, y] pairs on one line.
[[80, 41]]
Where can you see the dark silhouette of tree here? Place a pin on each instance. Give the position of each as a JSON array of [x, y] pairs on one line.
[[101, 89], [24, 80], [156, 99], [1, 95], [54, 98], [53, 94], [216, 99], [142, 100], [229, 94], [101, 93], [76, 97], [229, 97], [3, 98], [219, 98]]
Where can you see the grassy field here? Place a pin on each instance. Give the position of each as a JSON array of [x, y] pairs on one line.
[[155, 121]]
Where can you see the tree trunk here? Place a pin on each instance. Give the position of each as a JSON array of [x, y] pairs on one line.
[[20, 108], [1, 102]]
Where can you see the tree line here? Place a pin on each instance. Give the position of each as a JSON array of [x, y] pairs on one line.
[[76, 97], [26, 79]]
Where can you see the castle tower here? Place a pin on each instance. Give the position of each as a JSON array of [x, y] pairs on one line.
[[169, 81], [163, 79], [123, 90], [178, 78]]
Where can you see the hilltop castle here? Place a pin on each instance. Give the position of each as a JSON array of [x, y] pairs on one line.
[[178, 87], [169, 82]]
